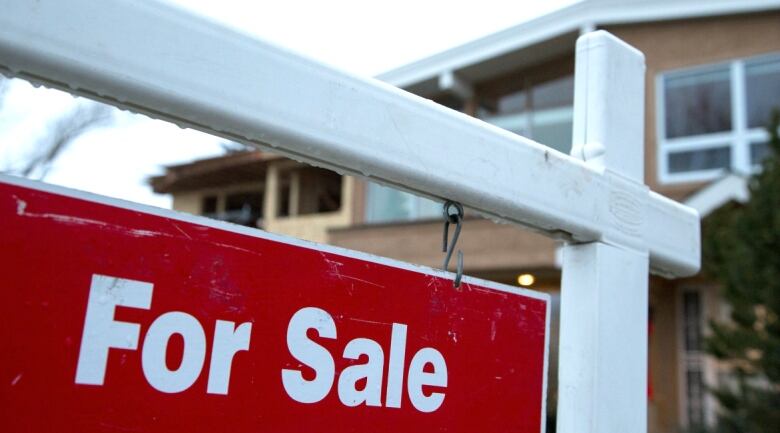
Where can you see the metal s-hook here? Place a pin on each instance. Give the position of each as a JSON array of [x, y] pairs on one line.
[[456, 218]]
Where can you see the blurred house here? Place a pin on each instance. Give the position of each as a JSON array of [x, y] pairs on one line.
[[713, 75]]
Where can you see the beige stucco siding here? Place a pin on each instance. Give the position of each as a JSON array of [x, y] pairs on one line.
[[685, 43], [663, 408], [486, 246], [189, 202]]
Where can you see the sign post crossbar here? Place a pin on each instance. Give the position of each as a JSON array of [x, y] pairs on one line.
[[229, 84]]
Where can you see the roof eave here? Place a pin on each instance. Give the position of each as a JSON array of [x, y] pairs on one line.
[[574, 18]]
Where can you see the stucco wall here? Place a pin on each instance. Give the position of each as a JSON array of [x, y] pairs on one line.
[[663, 408], [311, 227], [189, 202], [486, 246], [685, 43]]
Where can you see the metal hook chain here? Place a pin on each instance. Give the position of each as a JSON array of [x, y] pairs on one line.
[[457, 219]]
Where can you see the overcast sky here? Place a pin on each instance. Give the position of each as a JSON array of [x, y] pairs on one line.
[[361, 37]]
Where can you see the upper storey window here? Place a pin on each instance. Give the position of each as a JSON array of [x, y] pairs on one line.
[[541, 111], [711, 119]]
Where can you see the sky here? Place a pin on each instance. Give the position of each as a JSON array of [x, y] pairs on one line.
[[361, 37]]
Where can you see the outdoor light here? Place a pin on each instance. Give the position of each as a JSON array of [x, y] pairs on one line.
[[525, 280]]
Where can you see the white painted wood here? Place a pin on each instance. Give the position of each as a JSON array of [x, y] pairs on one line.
[[602, 367], [602, 375], [728, 188], [156, 59], [610, 100], [740, 146]]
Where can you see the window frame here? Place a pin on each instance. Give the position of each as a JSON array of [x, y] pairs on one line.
[[695, 360], [222, 194], [738, 139]]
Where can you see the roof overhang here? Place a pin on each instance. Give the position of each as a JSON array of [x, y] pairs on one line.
[[730, 188], [222, 170], [551, 35]]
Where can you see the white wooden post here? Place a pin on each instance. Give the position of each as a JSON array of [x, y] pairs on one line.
[[604, 299]]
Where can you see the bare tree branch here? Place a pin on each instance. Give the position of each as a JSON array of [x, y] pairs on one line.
[[62, 133]]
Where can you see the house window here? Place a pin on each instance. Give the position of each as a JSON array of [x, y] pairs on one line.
[[696, 404], [307, 191], [243, 207], [712, 119], [384, 205], [542, 111], [208, 205]]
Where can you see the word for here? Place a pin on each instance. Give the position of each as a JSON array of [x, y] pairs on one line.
[[102, 332]]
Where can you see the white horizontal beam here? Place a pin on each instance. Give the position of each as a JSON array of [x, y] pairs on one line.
[[164, 62]]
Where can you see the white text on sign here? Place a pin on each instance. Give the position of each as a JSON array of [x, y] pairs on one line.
[[318, 358], [102, 333]]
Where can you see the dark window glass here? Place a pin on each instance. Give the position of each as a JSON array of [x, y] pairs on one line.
[[284, 195], [241, 200], [705, 159], [208, 205], [319, 191], [244, 208], [692, 321], [695, 394], [554, 93], [759, 152], [763, 90], [697, 103], [450, 101]]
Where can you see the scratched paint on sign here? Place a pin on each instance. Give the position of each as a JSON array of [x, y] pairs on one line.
[[123, 317]]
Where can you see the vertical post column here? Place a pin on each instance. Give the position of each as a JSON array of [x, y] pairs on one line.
[[602, 380], [271, 191], [295, 192]]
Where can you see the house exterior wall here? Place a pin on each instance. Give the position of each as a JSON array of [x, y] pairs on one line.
[[313, 227], [486, 246], [670, 46], [494, 251], [188, 202], [666, 45], [499, 252], [684, 43], [664, 402]]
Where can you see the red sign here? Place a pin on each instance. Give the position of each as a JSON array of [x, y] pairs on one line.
[[120, 317]]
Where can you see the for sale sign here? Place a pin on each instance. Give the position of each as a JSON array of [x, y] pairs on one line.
[[119, 317]]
